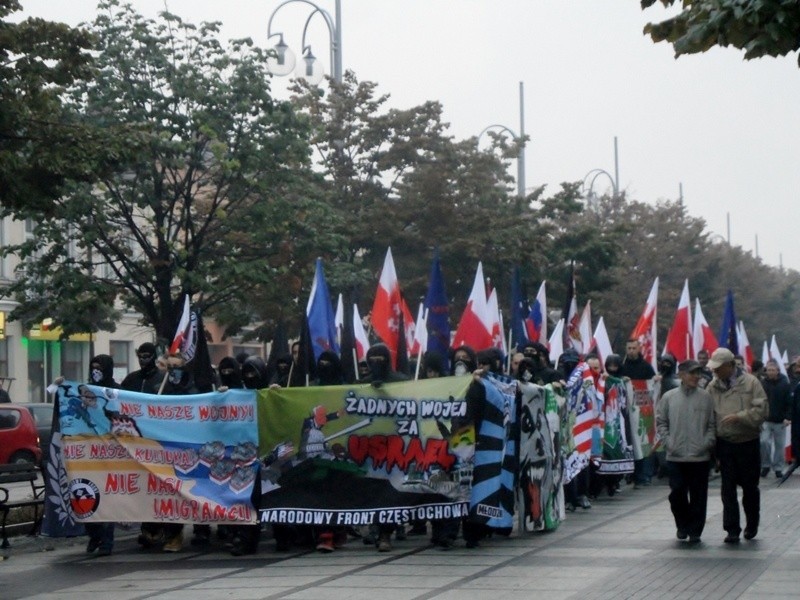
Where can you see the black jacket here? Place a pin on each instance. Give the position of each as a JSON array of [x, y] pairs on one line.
[[779, 399]]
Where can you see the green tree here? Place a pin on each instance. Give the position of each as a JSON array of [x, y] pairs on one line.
[[759, 27], [218, 202], [42, 145]]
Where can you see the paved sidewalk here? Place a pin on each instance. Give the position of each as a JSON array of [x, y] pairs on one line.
[[624, 547]]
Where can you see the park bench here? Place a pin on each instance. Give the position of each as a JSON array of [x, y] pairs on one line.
[[15, 473]]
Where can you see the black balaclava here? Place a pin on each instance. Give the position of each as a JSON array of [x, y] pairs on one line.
[[568, 361], [526, 371], [146, 353], [433, 361], [254, 373], [462, 367], [379, 359], [666, 364], [101, 371], [613, 364], [493, 358], [329, 368], [230, 372]]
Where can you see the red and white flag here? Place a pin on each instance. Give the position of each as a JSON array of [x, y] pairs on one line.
[[645, 330], [585, 330], [361, 339], [601, 341], [183, 332], [703, 337], [745, 351], [493, 311], [556, 342], [387, 307], [419, 345], [679, 338], [474, 328]]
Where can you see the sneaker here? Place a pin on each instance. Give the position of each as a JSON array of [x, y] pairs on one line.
[[384, 545], [400, 533], [584, 502], [764, 471], [749, 534], [681, 534], [778, 474], [694, 539], [175, 544], [104, 552], [325, 543], [731, 538]]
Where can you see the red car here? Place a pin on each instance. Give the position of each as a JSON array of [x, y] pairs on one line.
[[19, 440]]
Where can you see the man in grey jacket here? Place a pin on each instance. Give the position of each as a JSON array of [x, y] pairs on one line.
[[686, 425]]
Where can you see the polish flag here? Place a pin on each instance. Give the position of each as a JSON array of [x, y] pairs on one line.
[[387, 307], [419, 346], [645, 330], [182, 332], [475, 329], [703, 338], [601, 341], [361, 339], [493, 311], [745, 351], [679, 338], [556, 342], [585, 329], [536, 323]]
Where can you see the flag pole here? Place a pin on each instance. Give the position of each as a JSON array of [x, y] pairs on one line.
[[510, 340], [419, 361], [355, 364]]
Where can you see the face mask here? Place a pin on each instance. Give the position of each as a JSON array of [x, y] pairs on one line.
[[461, 368], [175, 375], [97, 375]]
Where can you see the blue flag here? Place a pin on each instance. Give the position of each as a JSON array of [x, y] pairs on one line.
[[520, 311], [438, 312], [321, 318], [728, 338]]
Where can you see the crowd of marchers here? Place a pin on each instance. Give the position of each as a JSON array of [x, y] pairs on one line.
[[712, 414]]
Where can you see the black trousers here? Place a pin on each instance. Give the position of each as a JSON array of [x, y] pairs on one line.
[[739, 465], [688, 498]]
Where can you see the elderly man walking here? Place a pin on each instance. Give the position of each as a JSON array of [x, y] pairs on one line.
[[686, 425], [740, 404]]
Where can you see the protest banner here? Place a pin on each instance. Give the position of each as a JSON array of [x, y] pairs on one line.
[[142, 457], [359, 454]]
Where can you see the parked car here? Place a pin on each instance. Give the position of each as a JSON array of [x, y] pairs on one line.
[[19, 441], [43, 417]]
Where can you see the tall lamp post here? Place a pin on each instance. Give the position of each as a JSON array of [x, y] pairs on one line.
[[285, 60], [517, 138], [591, 177]]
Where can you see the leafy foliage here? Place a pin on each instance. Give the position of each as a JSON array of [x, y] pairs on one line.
[[759, 27], [216, 202]]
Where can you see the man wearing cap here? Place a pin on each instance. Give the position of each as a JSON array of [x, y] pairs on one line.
[[740, 404], [148, 378], [686, 425]]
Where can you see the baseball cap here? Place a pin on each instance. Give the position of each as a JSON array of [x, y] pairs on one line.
[[719, 357]]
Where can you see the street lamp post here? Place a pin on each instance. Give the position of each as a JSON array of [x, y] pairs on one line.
[[520, 139], [285, 60]]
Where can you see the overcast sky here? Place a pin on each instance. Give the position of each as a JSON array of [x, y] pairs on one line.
[[725, 128]]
